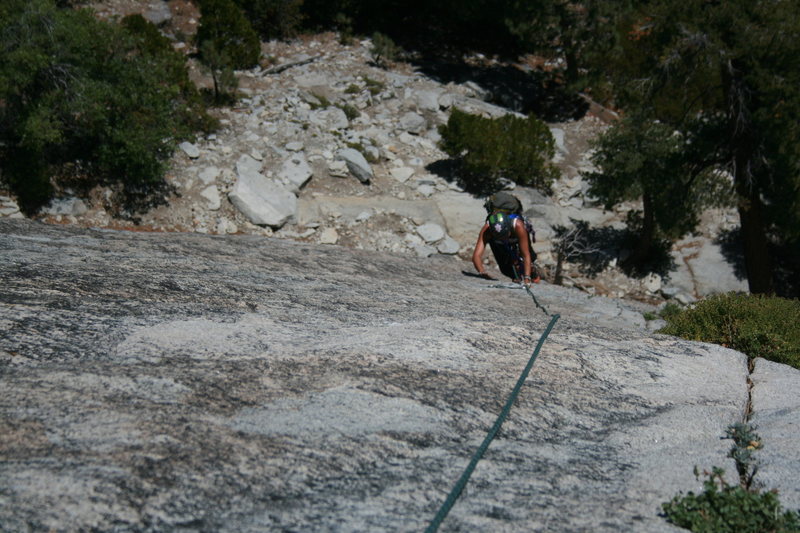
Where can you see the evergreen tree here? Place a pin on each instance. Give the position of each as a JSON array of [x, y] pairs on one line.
[[230, 33], [578, 35], [83, 101], [642, 159], [726, 76]]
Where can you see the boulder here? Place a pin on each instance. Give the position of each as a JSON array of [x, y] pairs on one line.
[[329, 236], [427, 100], [401, 174], [246, 164], [356, 163], [190, 149], [448, 246], [338, 169], [65, 206], [295, 146], [211, 195], [158, 13], [295, 172], [413, 122], [209, 175], [431, 233], [776, 417], [263, 201], [329, 119]]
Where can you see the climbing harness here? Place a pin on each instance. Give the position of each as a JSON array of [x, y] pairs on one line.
[[462, 482]]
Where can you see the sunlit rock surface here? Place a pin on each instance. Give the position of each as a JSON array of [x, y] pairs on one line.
[[189, 382]]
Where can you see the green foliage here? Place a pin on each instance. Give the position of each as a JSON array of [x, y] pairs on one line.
[[273, 19], [85, 101], [225, 81], [349, 111], [734, 508], [226, 27], [383, 49], [724, 508], [344, 25], [519, 149], [724, 75], [580, 35], [373, 86], [642, 159], [670, 310], [323, 101], [745, 443], [758, 326]]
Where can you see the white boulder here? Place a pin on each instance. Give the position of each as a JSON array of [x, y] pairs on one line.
[[262, 201], [356, 163], [295, 172], [431, 232]]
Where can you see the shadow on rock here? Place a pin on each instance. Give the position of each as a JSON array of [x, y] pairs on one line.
[[786, 259], [593, 249], [452, 171], [730, 244]]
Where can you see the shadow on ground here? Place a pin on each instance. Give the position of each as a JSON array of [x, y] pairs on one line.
[[786, 258], [730, 243], [519, 89], [593, 249]]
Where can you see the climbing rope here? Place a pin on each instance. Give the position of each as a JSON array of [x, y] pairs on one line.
[[535, 301], [462, 482]]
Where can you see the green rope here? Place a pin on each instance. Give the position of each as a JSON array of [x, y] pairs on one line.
[[462, 482], [540, 306]]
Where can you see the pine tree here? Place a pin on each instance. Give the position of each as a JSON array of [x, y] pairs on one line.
[[725, 75]]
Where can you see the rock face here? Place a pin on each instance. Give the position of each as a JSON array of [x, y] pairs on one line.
[[156, 382]]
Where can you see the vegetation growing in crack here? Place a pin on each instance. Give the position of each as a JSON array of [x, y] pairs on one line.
[[733, 507]]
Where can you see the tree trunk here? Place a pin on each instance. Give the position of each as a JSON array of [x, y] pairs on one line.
[[743, 146], [754, 240]]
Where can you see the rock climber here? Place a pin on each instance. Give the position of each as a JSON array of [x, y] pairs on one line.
[[510, 236]]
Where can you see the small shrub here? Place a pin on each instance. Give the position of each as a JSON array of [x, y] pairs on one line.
[[344, 25], [670, 310], [323, 101], [519, 149], [360, 148], [758, 326], [383, 49], [225, 81], [350, 112], [373, 86], [722, 507], [225, 26], [734, 508]]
